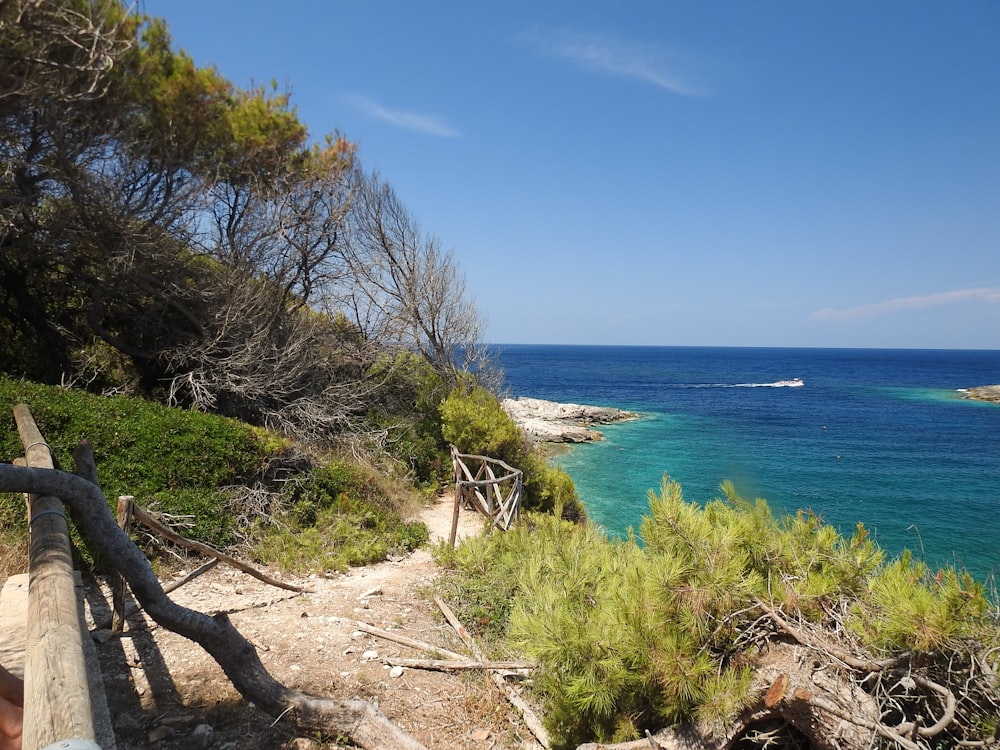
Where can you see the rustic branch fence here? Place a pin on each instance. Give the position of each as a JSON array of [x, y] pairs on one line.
[[494, 489]]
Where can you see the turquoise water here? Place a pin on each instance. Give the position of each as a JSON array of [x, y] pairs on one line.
[[876, 436]]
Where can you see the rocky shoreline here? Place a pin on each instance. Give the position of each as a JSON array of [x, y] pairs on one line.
[[983, 393], [553, 422]]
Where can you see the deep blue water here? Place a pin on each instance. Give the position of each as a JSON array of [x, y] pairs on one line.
[[876, 436]]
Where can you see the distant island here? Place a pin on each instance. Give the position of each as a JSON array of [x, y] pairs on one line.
[[983, 393], [552, 422]]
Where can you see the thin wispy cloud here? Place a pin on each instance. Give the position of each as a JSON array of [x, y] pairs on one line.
[[416, 122], [619, 57], [979, 294]]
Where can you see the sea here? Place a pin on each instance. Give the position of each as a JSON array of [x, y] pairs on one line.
[[881, 437]]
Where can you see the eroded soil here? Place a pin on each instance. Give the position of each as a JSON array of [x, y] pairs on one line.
[[165, 692]]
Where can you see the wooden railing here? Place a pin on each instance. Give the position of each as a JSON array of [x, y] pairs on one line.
[[494, 489], [58, 710]]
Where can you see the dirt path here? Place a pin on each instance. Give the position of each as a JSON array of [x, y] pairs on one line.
[[165, 692]]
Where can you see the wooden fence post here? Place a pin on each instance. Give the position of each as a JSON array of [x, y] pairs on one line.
[[117, 581], [57, 705], [458, 497]]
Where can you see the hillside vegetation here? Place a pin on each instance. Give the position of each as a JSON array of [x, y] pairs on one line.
[[218, 481], [750, 630]]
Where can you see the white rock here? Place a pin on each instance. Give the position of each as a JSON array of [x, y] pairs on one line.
[[552, 422], [202, 735]]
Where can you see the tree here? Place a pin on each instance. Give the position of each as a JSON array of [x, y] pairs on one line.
[[264, 352], [59, 50], [404, 290], [56, 58], [164, 232]]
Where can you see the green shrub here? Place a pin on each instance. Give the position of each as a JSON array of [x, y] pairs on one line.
[[635, 636], [409, 411], [175, 459], [904, 607], [342, 515], [179, 462], [474, 422]]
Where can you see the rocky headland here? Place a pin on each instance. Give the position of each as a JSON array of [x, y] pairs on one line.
[[552, 422], [984, 393]]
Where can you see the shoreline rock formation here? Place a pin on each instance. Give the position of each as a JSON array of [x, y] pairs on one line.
[[553, 422], [983, 393]]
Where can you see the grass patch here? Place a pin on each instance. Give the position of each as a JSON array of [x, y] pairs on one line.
[[343, 515], [177, 460]]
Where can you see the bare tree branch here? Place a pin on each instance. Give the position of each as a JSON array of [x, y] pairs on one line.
[[405, 291]]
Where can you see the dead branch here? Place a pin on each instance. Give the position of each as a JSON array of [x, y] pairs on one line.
[[360, 720], [509, 691], [407, 641], [888, 732], [946, 718], [148, 521], [820, 644], [455, 665]]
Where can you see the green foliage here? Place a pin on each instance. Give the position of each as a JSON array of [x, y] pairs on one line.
[[632, 636], [194, 117], [474, 422], [178, 462], [906, 608], [176, 459], [408, 409], [484, 580], [341, 516]]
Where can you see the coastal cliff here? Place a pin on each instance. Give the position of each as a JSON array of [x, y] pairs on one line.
[[552, 422], [984, 393]]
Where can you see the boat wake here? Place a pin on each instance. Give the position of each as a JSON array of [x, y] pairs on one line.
[[793, 383]]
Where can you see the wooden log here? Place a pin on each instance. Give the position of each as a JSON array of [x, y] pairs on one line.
[[57, 703], [125, 504], [458, 665], [458, 627], [407, 641], [509, 691]]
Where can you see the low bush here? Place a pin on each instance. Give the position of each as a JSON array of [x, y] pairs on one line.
[[342, 515], [638, 634], [184, 464], [474, 422], [176, 460]]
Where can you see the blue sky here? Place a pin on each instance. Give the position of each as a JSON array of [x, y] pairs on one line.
[[668, 173]]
